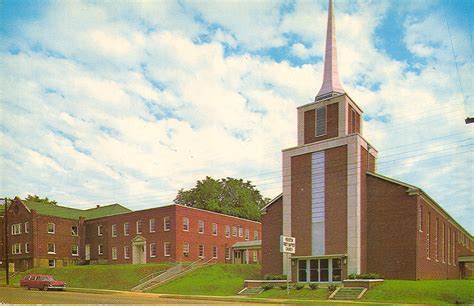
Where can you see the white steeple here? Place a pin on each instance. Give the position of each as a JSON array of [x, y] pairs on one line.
[[331, 84]]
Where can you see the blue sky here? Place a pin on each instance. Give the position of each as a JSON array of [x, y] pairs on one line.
[[130, 101]]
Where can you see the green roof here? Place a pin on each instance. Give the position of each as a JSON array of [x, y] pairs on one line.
[[74, 213]]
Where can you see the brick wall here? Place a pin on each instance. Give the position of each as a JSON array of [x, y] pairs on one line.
[[272, 228], [391, 229]]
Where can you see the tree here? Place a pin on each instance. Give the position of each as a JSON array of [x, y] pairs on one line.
[[37, 199], [228, 196]]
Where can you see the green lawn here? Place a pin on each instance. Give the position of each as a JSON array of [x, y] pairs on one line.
[[303, 294], [115, 277], [426, 292], [219, 279]]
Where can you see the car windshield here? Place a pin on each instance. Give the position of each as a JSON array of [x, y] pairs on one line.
[[49, 278]]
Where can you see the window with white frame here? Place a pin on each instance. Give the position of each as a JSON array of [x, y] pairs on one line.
[[167, 249], [51, 263], [227, 253], [114, 253], [100, 249], [200, 227], [247, 234], [241, 232], [186, 249], [152, 249], [100, 230], [214, 229], [126, 252], [246, 256], [75, 250], [74, 231], [234, 231], [114, 230], [255, 257], [51, 248], [255, 235], [201, 251], [27, 227], [51, 228], [126, 229], [152, 225], [166, 224], [139, 226], [420, 218], [227, 231], [16, 229], [321, 121], [185, 224], [214, 252], [16, 248], [27, 247]]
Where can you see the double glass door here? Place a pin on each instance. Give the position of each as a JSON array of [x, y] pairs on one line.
[[319, 270]]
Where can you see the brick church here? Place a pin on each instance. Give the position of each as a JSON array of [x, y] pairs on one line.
[[346, 217]]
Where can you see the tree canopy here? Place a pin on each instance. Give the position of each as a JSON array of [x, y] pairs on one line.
[[37, 199], [228, 196]]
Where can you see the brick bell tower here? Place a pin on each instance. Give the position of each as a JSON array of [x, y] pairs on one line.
[[324, 198]]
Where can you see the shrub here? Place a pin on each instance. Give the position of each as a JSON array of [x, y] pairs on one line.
[[282, 287], [299, 286], [313, 286], [352, 276], [331, 288], [267, 287]]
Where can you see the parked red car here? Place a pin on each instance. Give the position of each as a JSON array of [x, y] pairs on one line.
[[42, 282]]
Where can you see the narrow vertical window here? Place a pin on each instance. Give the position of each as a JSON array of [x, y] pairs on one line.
[[152, 225], [227, 231], [214, 252], [255, 235], [51, 228], [186, 224], [321, 121], [152, 249], [27, 227], [214, 229], [234, 231], [126, 229], [201, 251], [186, 249], [51, 248], [114, 230], [443, 236], [227, 253], [448, 250], [99, 230], [428, 228], [114, 253], [27, 248], [420, 218], [126, 254], [139, 226], [166, 224], [100, 249], [241, 232], [75, 250], [454, 248], [247, 234], [200, 227], [167, 248], [437, 240]]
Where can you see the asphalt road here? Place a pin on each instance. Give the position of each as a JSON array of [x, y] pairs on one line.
[[10, 295]]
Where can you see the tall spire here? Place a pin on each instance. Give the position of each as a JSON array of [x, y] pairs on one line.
[[331, 84]]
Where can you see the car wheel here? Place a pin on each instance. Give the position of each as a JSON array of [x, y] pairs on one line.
[[45, 287], [28, 288]]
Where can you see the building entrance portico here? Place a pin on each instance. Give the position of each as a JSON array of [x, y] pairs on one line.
[[319, 270], [139, 250]]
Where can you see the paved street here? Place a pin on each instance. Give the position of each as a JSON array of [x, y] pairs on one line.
[[23, 296]]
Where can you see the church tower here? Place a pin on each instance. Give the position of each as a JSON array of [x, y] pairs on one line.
[[324, 177]]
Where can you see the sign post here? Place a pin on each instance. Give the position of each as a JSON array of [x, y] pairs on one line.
[[287, 246]]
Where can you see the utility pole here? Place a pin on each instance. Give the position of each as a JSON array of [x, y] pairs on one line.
[[7, 262]]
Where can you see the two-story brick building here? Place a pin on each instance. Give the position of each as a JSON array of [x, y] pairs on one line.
[[42, 235], [345, 217]]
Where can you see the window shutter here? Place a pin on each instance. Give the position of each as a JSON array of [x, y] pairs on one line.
[[321, 121]]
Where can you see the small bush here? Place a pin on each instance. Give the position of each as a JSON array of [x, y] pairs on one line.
[[352, 276], [313, 286], [331, 288], [282, 287], [299, 286], [267, 287]]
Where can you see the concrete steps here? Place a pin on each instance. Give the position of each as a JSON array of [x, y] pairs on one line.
[[251, 291], [348, 293]]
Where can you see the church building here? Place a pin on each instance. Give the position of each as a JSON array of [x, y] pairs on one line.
[[346, 218]]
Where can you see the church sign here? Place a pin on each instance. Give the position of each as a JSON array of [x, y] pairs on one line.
[[287, 244]]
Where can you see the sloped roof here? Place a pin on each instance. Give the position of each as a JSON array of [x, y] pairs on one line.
[[74, 213], [264, 208]]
